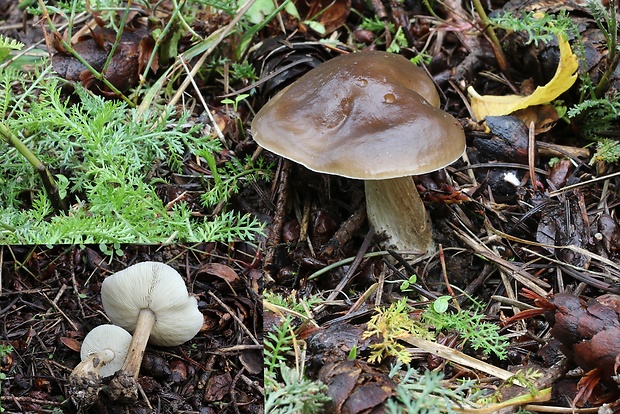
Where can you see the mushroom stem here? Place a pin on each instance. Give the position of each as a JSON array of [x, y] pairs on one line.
[[124, 385], [93, 363], [144, 325], [395, 208], [85, 379]]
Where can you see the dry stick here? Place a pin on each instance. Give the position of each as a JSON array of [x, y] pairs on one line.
[[531, 155], [345, 231], [380, 285], [444, 271], [17, 400], [581, 184], [281, 310], [500, 165], [237, 348], [520, 275], [253, 384], [458, 357], [553, 409], [347, 277], [46, 176], [582, 274], [497, 48], [574, 248], [76, 290], [508, 287], [220, 135], [1, 267], [275, 229], [548, 149], [264, 79], [73, 325], [360, 301]]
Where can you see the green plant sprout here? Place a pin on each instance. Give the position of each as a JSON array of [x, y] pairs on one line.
[[404, 286], [441, 304], [421, 58], [470, 326], [376, 26], [538, 27], [242, 71], [390, 324], [292, 302], [226, 180], [287, 390], [394, 322], [7, 75], [89, 145], [418, 393], [596, 117], [607, 22], [607, 151], [398, 41], [523, 378], [7, 45], [235, 102]]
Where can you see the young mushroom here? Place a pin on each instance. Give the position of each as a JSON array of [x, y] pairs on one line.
[[371, 116], [103, 353], [149, 299]]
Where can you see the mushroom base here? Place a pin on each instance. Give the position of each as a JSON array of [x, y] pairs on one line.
[[395, 209], [123, 388], [85, 388]]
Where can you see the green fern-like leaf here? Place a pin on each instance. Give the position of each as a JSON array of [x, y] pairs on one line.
[[7, 45], [471, 326]]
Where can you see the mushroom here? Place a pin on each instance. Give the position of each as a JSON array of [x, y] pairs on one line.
[[149, 299], [371, 116], [103, 353]]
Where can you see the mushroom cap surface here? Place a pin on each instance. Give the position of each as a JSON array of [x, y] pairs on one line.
[[365, 115], [160, 288], [107, 337]]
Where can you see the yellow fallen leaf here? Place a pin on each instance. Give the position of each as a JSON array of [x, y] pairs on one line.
[[565, 76]]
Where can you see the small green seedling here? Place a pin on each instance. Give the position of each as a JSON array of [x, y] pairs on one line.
[[235, 102], [441, 304]]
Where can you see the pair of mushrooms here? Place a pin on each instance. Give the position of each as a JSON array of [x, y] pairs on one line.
[[372, 116], [149, 299]]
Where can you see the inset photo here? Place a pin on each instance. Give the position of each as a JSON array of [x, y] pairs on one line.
[[139, 329]]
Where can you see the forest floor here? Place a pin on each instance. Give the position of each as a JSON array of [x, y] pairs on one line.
[[525, 223]]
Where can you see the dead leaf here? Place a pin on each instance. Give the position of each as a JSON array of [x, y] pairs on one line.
[[71, 343], [341, 378], [218, 387], [219, 270], [543, 116], [252, 360], [329, 13], [565, 76]]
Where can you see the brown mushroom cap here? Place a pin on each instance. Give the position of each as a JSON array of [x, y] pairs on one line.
[[361, 116]]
